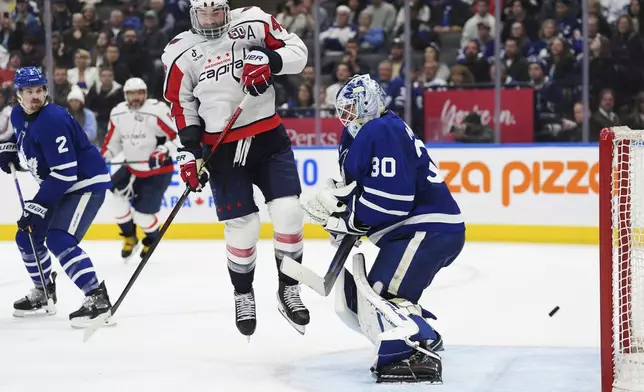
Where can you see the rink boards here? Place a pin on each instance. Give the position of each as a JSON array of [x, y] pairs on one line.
[[518, 193]]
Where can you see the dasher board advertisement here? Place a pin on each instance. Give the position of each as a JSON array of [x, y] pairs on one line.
[[527, 193]]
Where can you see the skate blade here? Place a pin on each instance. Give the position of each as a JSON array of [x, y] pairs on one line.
[[86, 322], [299, 328], [386, 380], [44, 311], [135, 253]]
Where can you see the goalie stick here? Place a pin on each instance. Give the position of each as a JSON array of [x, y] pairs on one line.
[[104, 318], [321, 285]]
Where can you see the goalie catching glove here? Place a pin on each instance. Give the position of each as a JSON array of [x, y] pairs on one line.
[[334, 209]]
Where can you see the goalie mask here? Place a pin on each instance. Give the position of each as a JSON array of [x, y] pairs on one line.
[[210, 18], [359, 101]]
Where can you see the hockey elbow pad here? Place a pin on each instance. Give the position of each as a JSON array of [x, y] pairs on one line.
[[274, 59]]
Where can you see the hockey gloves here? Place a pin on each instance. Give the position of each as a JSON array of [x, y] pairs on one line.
[[8, 154], [33, 216], [256, 74], [189, 167], [159, 158], [332, 208]]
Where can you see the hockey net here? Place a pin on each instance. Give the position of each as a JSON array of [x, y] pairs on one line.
[[622, 259]]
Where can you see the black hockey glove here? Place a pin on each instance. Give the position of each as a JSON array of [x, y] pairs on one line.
[[8, 154], [33, 216]]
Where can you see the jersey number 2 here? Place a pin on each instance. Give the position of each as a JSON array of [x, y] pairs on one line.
[[61, 141]]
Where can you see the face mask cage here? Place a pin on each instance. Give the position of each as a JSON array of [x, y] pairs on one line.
[[352, 107], [207, 14]]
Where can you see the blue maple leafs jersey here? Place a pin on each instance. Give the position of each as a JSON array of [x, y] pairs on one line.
[[400, 190], [56, 150]]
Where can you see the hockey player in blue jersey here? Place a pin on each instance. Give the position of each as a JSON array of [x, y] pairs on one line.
[[393, 193], [73, 180]]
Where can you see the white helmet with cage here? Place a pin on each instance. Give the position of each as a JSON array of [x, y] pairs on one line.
[[210, 18], [359, 101]]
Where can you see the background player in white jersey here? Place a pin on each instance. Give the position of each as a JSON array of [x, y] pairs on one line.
[[208, 70], [142, 129], [392, 192]]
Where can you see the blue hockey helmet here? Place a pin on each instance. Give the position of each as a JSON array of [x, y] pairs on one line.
[[359, 101], [29, 77]]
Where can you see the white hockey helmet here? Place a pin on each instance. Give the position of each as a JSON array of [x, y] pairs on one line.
[[135, 84], [210, 18], [359, 101]]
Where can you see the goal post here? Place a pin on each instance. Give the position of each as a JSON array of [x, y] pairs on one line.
[[621, 219]]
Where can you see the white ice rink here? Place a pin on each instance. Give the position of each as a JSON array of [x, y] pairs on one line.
[[176, 328]]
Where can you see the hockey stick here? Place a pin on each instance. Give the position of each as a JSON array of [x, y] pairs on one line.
[[50, 308], [124, 163], [321, 285], [103, 318]]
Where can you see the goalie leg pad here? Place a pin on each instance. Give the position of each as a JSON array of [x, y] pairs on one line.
[[288, 222], [389, 326], [241, 235], [346, 301]]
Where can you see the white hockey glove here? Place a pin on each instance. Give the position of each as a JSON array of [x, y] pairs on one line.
[[330, 208]]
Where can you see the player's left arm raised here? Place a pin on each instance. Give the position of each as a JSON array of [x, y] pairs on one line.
[[277, 52], [60, 156]]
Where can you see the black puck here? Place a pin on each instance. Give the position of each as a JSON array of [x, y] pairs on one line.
[[553, 311]]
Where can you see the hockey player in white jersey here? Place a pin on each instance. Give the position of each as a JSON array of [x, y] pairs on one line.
[[392, 192], [208, 71], [142, 129]]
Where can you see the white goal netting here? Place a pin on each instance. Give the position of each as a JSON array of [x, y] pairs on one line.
[[627, 188]]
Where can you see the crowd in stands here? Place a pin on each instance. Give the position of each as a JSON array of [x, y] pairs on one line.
[[453, 44], [98, 44]]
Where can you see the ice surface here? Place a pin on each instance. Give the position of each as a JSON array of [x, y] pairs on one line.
[[176, 328]]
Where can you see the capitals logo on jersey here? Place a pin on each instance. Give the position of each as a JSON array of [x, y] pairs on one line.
[[219, 65]]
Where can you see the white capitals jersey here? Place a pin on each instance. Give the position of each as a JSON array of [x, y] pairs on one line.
[[136, 134], [203, 77]]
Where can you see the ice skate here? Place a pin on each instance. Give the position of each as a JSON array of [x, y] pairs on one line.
[[130, 247], [420, 367], [291, 307], [245, 313], [95, 304], [35, 300], [147, 243]]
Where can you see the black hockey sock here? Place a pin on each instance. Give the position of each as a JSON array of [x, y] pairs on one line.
[[150, 237], [128, 229], [287, 280], [242, 282]]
